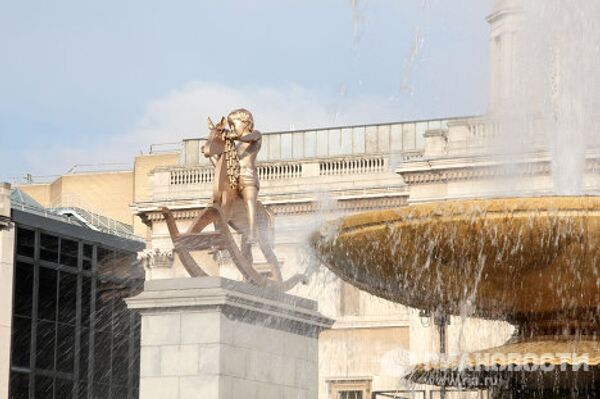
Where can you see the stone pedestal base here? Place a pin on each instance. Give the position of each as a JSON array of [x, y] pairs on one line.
[[215, 338]]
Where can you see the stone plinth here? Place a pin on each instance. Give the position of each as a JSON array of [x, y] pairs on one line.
[[216, 338]]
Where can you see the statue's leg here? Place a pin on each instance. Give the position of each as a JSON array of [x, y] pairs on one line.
[[250, 195]]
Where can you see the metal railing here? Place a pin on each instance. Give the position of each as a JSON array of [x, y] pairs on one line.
[[433, 394], [159, 148], [399, 394], [71, 205]]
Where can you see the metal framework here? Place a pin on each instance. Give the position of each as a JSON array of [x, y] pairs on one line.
[[81, 379]]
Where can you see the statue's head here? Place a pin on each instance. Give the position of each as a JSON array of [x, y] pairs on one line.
[[241, 121]]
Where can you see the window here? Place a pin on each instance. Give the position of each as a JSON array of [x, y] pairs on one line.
[[72, 335], [371, 139], [286, 146], [69, 251], [49, 248], [298, 145], [25, 242], [358, 140], [349, 388], [310, 144], [350, 395], [346, 144]]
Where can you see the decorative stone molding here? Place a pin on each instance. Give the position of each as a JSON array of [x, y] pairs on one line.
[[472, 172], [157, 258], [309, 205], [5, 223], [436, 171]]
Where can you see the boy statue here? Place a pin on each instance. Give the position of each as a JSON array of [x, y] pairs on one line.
[[247, 142]]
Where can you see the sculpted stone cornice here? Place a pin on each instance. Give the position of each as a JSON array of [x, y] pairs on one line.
[[297, 207], [464, 169]]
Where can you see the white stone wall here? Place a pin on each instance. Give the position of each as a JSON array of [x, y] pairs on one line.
[[205, 355], [205, 339]]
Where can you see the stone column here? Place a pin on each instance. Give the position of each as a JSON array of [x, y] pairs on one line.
[[7, 235], [212, 337]]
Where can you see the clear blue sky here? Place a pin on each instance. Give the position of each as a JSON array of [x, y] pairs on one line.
[[97, 81]]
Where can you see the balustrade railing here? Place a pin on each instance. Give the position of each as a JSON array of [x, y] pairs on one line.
[[270, 171], [346, 166], [482, 128], [288, 170], [192, 175]]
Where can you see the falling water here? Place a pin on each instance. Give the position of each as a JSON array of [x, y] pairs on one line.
[[556, 86]]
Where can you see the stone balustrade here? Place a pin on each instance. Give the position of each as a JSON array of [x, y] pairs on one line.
[[347, 166], [286, 170]]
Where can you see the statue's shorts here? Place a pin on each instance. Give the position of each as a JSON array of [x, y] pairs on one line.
[[248, 181]]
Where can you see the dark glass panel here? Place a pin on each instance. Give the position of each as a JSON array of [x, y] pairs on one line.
[[67, 297], [101, 391], [136, 286], [47, 294], [104, 302], [44, 387], [49, 248], [120, 359], [19, 385], [118, 392], [45, 345], [123, 265], [65, 347], [63, 389], [25, 242], [102, 355], [105, 261], [120, 317], [23, 296], [69, 251], [86, 295], [88, 251], [83, 389], [84, 354], [135, 356], [21, 341], [87, 256]]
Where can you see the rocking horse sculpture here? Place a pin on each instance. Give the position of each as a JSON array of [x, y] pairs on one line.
[[234, 206]]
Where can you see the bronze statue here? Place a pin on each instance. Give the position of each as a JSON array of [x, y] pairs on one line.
[[232, 146]]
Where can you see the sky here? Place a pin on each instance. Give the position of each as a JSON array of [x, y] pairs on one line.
[[87, 82]]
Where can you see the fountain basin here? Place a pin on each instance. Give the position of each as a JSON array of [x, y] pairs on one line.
[[533, 262]]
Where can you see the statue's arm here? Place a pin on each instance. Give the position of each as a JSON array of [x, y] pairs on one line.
[[249, 138]]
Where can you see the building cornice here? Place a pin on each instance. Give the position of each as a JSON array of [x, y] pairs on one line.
[[150, 212], [445, 170]]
